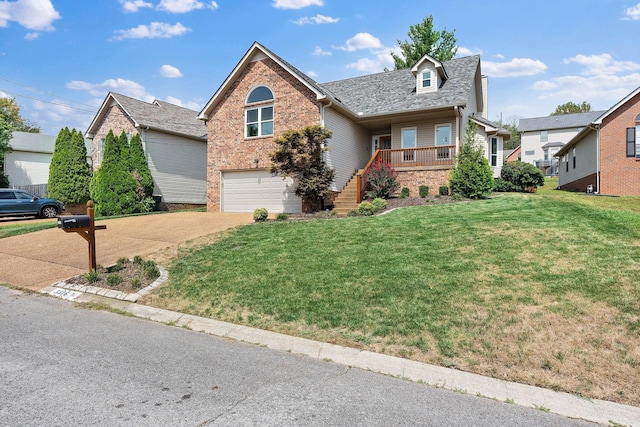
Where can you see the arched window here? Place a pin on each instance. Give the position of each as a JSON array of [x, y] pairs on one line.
[[259, 118]]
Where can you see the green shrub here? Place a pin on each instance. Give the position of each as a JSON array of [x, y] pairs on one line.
[[282, 217], [365, 209], [522, 176], [379, 204], [137, 259], [260, 215], [502, 185], [382, 180], [151, 270], [423, 190], [472, 177], [136, 283], [352, 213], [404, 193], [92, 276], [122, 260], [114, 279], [115, 268], [443, 190]]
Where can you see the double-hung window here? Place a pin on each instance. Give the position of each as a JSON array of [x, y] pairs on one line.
[[494, 151], [633, 140], [259, 118], [426, 79]]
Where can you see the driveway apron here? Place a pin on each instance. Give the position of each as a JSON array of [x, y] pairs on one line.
[[36, 260]]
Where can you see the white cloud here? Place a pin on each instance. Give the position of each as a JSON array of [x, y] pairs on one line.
[[318, 19], [360, 41], [602, 81], [119, 85], [379, 63], [312, 74], [190, 105], [632, 13], [184, 6], [31, 14], [319, 52], [134, 5], [170, 72], [517, 67], [153, 31], [602, 64], [465, 51], [295, 4], [31, 36]]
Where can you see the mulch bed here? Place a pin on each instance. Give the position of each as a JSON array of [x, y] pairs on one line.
[[133, 277]]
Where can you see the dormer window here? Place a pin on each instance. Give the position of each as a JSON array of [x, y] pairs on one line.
[[426, 79]]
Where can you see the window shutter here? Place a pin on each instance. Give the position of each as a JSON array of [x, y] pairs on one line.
[[631, 142]]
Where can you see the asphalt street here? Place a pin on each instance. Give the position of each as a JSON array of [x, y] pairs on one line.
[[62, 364]]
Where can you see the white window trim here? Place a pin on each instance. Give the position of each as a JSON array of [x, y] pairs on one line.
[[259, 122], [408, 156], [422, 79], [435, 134], [493, 155]]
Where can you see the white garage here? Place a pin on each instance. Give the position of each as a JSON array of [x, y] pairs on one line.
[[245, 191]]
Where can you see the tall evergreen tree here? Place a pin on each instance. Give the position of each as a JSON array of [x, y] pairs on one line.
[[113, 188], [69, 173], [140, 168]]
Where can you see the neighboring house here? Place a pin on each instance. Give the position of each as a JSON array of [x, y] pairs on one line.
[[605, 156], [414, 119], [27, 165], [542, 137], [174, 141], [512, 155]]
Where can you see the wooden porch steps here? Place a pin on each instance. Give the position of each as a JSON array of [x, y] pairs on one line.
[[346, 200]]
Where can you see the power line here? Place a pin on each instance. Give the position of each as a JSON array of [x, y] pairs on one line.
[[60, 104]]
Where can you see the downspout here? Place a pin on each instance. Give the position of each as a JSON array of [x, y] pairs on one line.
[[597, 129]]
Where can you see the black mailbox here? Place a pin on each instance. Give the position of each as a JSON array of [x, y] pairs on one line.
[[74, 221]]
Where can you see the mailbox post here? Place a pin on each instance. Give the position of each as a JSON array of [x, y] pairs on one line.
[[85, 226]]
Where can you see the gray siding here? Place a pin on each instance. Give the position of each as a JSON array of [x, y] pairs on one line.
[[178, 166], [586, 160], [25, 168], [349, 148], [426, 132]]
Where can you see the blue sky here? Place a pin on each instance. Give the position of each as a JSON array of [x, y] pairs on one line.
[[59, 58]]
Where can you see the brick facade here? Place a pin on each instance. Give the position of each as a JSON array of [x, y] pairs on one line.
[[619, 174], [115, 120], [294, 106], [413, 179]]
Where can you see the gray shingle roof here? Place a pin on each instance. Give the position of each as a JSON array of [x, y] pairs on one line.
[[558, 122], [163, 116], [395, 91]]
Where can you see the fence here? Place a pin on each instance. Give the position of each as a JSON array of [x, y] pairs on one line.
[[39, 190]]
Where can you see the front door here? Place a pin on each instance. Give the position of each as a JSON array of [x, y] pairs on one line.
[[382, 142]]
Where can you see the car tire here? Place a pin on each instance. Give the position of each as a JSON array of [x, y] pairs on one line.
[[49, 212]]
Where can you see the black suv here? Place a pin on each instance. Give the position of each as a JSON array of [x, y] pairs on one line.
[[20, 203]]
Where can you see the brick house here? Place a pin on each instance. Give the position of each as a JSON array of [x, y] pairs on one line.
[[174, 141], [605, 156], [414, 119]]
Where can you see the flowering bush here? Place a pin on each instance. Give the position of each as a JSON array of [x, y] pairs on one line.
[[382, 180]]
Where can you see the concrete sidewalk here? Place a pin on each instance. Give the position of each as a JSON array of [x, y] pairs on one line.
[[599, 411]]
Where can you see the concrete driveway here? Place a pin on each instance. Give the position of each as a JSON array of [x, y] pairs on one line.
[[36, 260]]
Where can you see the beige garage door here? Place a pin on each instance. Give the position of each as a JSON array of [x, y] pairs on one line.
[[244, 191]]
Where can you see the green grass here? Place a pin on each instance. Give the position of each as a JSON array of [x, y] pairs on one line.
[[24, 228], [445, 283]]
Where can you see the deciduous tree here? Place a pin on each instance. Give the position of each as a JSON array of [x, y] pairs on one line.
[[572, 108], [424, 40], [299, 156]]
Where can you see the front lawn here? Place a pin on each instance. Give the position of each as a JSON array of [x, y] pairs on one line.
[[542, 288]]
